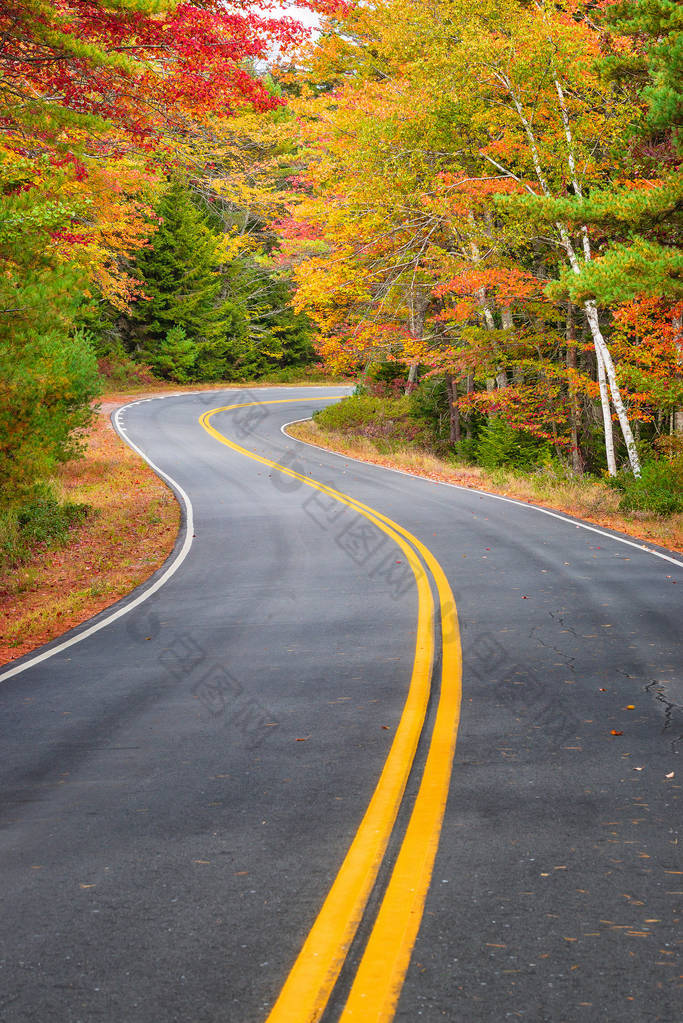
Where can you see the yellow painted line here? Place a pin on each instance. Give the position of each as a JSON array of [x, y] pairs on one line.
[[310, 982], [377, 985], [314, 973]]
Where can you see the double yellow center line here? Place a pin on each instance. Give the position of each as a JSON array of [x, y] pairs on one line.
[[380, 974]]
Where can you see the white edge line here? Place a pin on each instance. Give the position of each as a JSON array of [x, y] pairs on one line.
[[182, 553], [484, 493], [154, 588]]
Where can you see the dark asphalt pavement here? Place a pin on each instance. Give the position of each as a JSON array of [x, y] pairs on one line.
[[179, 789]]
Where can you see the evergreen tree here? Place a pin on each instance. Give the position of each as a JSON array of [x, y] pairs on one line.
[[205, 320], [182, 284], [48, 373], [640, 227], [658, 26], [267, 334]]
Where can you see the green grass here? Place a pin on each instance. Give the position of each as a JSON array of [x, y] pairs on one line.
[[43, 522], [659, 489]]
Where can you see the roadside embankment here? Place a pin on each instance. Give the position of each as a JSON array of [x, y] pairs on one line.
[[128, 531]]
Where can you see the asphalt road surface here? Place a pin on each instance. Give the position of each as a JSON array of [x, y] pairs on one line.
[[180, 787]]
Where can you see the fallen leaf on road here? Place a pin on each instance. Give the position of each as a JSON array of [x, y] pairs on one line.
[[615, 732], [670, 774]]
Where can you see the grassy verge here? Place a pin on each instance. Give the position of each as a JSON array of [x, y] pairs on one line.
[[586, 498]]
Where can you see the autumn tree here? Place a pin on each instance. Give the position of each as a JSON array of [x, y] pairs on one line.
[[94, 98], [518, 135]]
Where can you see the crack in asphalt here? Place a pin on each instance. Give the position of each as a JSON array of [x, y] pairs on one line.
[[656, 686], [562, 622]]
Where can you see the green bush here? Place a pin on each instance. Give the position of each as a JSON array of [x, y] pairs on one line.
[[659, 489], [118, 369], [298, 374], [465, 450], [430, 407], [358, 411], [499, 445], [173, 357], [387, 373], [49, 380], [43, 521]]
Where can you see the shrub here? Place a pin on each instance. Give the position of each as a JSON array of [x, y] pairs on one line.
[[41, 521], [659, 489], [359, 411], [49, 379], [118, 369], [430, 406], [499, 445], [173, 358]]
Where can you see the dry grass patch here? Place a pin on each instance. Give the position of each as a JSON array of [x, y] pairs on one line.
[[130, 532], [587, 498]]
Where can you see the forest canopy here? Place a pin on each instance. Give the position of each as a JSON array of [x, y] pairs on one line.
[[482, 203]]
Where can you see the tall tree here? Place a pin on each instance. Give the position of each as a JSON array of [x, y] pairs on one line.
[[94, 96], [48, 374], [180, 278], [507, 110]]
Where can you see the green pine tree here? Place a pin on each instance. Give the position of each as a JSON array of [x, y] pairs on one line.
[[48, 372], [182, 283], [658, 25]]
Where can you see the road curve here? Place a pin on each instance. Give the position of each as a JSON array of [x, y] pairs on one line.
[[182, 778]]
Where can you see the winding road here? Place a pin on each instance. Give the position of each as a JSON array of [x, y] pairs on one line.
[[237, 795]]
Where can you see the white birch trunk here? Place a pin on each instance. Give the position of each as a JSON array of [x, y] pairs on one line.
[[590, 307], [606, 416], [678, 341], [418, 304], [603, 352]]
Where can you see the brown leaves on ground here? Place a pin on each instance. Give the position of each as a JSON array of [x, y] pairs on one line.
[[131, 532]]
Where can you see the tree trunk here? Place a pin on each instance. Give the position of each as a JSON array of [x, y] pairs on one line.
[[606, 416], [469, 386], [678, 341], [606, 372], [454, 432], [608, 369], [574, 411], [412, 377], [418, 304]]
